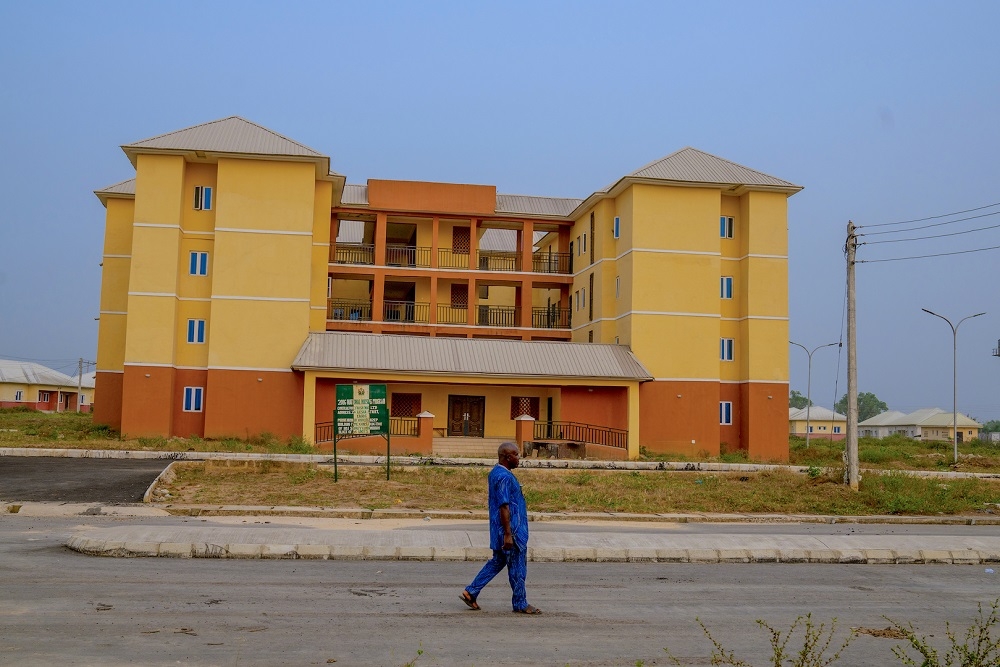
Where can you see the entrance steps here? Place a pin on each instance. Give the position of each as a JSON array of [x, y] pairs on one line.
[[471, 447]]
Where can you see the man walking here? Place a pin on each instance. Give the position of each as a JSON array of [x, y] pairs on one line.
[[508, 533]]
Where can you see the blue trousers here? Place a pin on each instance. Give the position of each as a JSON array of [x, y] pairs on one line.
[[516, 562]]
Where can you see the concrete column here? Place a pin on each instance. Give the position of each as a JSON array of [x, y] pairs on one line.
[[381, 226], [527, 243], [524, 430], [435, 230], [309, 408], [633, 421], [425, 432]]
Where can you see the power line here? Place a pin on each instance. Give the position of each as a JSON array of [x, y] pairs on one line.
[[936, 224], [935, 236], [932, 217], [939, 254]]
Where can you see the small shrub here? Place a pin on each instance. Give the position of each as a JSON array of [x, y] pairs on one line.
[[979, 647], [298, 445], [814, 472]]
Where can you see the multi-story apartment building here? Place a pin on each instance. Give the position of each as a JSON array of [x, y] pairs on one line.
[[243, 280]]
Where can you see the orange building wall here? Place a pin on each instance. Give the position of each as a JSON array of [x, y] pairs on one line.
[[107, 406], [187, 424], [669, 424], [244, 403], [765, 428], [451, 198], [152, 414], [601, 406], [731, 437]]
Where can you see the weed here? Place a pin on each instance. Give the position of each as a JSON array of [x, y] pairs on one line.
[[816, 640], [814, 472], [979, 647], [298, 445]]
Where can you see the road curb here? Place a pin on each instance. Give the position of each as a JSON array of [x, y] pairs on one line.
[[97, 547]]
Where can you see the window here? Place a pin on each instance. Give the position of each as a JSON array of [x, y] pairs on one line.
[[329, 287], [726, 349], [192, 399], [583, 248], [583, 297], [725, 413], [590, 336], [617, 229], [202, 198], [43, 397], [578, 251], [484, 292], [726, 287], [810, 429], [523, 405], [616, 340], [18, 395], [196, 331], [591, 313], [592, 242], [726, 227], [618, 287], [577, 297], [836, 429], [198, 264], [404, 405]]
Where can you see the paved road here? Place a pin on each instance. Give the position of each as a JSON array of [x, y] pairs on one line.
[[76, 480], [60, 607]]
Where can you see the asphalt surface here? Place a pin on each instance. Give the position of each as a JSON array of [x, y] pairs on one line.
[[81, 480], [62, 608]]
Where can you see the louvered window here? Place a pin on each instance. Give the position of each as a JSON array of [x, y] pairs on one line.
[[523, 405]]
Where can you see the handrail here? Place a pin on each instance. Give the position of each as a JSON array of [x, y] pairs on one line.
[[589, 433], [352, 253], [403, 426], [349, 309], [406, 311]]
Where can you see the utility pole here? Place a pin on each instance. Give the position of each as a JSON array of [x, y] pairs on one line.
[[851, 451], [79, 383]]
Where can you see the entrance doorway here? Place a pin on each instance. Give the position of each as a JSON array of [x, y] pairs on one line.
[[466, 416]]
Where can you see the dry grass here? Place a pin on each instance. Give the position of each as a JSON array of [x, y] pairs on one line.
[[268, 483]]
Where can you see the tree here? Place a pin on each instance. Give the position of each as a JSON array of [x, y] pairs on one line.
[[797, 400], [992, 426], [868, 405]]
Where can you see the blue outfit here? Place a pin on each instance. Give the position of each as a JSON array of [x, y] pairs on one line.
[[504, 489]]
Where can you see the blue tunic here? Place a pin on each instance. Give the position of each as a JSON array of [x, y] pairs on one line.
[[506, 490]]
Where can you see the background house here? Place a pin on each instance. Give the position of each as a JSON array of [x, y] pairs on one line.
[[823, 423], [923, 424], [31, 385]]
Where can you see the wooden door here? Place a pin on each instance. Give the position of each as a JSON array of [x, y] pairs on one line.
[[466, 416]]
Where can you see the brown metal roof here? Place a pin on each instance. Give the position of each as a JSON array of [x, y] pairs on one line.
[[694, 166], [122, 190], [227, 135], [532, 205], [421, 355]]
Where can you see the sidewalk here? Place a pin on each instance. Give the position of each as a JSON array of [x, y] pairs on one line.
[[349, 534]]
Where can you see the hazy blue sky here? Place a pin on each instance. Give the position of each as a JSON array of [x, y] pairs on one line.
[[884, 111]]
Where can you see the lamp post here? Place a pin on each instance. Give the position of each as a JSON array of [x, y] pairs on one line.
[[954, 374], [809, 381]]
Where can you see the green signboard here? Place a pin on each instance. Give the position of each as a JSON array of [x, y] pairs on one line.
[[361, 410]]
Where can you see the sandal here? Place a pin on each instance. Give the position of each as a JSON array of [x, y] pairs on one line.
[[528, 610], [469, 600]]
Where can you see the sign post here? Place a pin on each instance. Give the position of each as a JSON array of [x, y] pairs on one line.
[[361, 410]]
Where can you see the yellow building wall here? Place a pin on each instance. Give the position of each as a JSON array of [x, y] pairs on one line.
[[115, 271], [204, 175], [322, 201], [262, 269]]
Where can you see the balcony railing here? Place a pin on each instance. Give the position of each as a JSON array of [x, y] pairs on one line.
[[352, 253], [495, 260], [551, 318], [403, 255], [397, 426], [598, 435], [449, 314], [449, 259], [552, 262], [499, 316], [349, 309], [406, 311]]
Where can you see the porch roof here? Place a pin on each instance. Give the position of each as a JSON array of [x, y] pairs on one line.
[[420, 355]]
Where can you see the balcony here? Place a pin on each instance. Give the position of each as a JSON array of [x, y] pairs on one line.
[[352, 253], [420, 257], [551, 318], [349, 309], [406, 312]]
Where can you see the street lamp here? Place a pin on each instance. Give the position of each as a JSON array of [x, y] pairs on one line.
[[954, 374], [809, 381]]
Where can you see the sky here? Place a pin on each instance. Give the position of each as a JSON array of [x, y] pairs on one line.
[[884, 111]]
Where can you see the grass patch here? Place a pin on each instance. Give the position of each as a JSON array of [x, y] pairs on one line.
[[426, 487]]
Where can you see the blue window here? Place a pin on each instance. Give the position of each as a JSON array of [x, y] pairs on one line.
[[202, 198], [618, 227], [196, 331], [726, 349], [726, 227], [198, 265], [836, 429], [192, 399], [725, 413], [726, 287]]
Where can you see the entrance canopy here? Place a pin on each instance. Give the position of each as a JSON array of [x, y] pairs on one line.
[[419, 355]]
